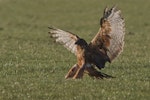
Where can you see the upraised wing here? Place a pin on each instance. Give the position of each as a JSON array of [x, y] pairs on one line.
[[110, 37], [67, 39]]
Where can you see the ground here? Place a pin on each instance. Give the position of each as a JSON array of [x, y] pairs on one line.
[[32, 66]]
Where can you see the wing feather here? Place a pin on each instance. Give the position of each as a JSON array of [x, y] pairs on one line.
[[110, 37], [67, 39]]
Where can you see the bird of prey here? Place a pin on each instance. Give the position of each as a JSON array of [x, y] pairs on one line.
[[104, 47]]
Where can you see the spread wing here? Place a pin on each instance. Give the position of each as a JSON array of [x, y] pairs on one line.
[[67, 39], [110, 37]]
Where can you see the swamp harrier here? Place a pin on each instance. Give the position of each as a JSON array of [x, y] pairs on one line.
[[104, 47]]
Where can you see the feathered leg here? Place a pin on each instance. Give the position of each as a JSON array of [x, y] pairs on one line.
[[80, 72], [77, 72], [72, 71]]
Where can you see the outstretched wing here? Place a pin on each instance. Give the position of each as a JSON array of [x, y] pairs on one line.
[[65, 38], [110, 37]]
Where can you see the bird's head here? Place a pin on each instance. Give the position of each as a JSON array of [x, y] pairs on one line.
[[81, 42]]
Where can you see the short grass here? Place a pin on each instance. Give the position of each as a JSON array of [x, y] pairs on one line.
[[32, 66]]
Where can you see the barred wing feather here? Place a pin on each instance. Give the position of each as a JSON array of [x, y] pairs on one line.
[[110, 37], [65, 38]]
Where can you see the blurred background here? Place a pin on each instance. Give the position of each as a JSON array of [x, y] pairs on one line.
[[32, 66]]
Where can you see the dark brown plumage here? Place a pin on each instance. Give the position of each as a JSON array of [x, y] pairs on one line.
[[105, 46]]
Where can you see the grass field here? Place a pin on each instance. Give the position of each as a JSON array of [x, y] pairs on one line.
[[32, 66]]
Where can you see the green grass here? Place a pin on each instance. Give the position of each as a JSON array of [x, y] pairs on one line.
[[32, 66]]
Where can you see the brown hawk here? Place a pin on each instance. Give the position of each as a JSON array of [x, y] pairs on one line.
[[104, 47]]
